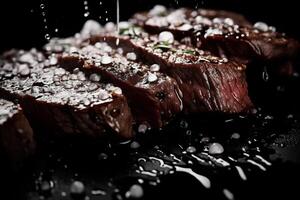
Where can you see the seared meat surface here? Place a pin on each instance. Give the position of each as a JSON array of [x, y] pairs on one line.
[[16, 136], [55, 100]]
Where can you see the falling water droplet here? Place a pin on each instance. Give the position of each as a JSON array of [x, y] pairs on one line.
[[118, 17], [86, 9], [47, 36], [265, 74]]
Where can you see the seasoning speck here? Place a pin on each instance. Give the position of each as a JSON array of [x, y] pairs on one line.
[[154, 68], [261, 26], [131, 56], [152, 77], [166, 36], [106, 60], [23, 70], [95, 77]]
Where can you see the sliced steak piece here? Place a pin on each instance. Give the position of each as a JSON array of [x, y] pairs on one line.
[[16, 136], [153, 97], [180, 21], [57, 101], [230, 37], [247, 44], [208, 83]]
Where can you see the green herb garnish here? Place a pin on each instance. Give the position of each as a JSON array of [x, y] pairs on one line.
[[189, 51], [130, 31]]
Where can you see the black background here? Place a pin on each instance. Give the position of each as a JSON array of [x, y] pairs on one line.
[[22, 25]]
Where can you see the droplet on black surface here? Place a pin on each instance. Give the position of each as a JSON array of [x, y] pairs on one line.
[[183, 124], [216, 148], [98, 192], [63, 194], [205, 140], [290, 116], [46, 187], [135, 192], [188, 132], [142, 128], [135, 145], [77, 189], [228, 194], [265, 75], [235, 136], [103, 156], [191, 149]]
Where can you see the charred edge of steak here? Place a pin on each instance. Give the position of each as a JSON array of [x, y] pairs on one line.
[[55, 100], [16, 136], [208, 83], [153, 96]]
